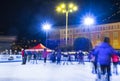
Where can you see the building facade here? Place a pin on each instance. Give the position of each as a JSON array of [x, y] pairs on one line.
[[94, 33], [6, 42]]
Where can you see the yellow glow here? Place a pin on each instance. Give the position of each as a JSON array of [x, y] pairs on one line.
[[63, 5], [75, 8], [71, 5], [58, 9], [64, 11], [71, 10]]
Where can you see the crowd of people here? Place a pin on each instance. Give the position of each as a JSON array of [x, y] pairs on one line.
[[101, 57], [53, 57]]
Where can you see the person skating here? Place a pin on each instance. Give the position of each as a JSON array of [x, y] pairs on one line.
[[59, 56], [65, 57], [45, 53], [80, 57], [115, 60], [53, 57], [103, 53], [76, 56], [70, 59], [94, 62], [35, 57]]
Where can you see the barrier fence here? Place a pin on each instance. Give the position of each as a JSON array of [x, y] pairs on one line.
[[10, 58]]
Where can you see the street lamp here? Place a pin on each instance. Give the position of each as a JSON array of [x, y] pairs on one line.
[[66, 8], [89, 21], [46, 27]]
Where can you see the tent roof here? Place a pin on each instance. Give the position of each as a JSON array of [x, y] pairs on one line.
[[39, 47]]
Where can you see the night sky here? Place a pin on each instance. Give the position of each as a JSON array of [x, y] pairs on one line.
[[24, 17]]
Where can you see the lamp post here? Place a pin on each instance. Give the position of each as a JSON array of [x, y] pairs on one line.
[[66, 8], [46, 27], [89, 21]]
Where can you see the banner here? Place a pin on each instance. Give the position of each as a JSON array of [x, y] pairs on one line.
[[10, 58]]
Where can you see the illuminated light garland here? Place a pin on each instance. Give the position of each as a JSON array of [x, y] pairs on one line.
[[114, 14]]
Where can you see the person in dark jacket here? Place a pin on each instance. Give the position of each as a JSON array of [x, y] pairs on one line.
[[81, 57], [94, 61], [59, 56], [70, 58], [103, 53], [118, 53], [35, 57], [53, 57], [65, 57], [76, 56]]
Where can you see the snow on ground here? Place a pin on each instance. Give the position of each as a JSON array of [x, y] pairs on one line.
[[14, 71]]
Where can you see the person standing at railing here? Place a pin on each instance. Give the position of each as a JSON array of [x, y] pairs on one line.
[[65, 58], [80, 57], [24, 56], [45, 53], [58, 56]]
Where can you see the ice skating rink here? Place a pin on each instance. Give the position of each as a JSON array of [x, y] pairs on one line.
[[14, 71]]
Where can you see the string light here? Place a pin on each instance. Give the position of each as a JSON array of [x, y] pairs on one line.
[[116, 4]]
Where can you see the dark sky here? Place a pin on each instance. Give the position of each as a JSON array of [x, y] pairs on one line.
[[24, 17]]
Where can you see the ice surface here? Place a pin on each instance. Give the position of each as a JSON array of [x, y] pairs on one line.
[[14, 71]]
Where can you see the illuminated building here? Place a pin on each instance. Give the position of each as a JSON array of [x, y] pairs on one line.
[[95, 33]]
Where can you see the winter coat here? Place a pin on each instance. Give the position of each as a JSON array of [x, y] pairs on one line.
[[23, 53], [44, 54], [115, 58], [58, 55], [103, 53], [80, 55]]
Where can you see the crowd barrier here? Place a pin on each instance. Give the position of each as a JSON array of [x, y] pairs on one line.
[[10, 58], [18, 58]]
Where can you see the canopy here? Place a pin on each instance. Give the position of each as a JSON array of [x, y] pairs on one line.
[[39, 47]]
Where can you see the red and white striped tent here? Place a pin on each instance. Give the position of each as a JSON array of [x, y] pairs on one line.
[[39, 47]]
